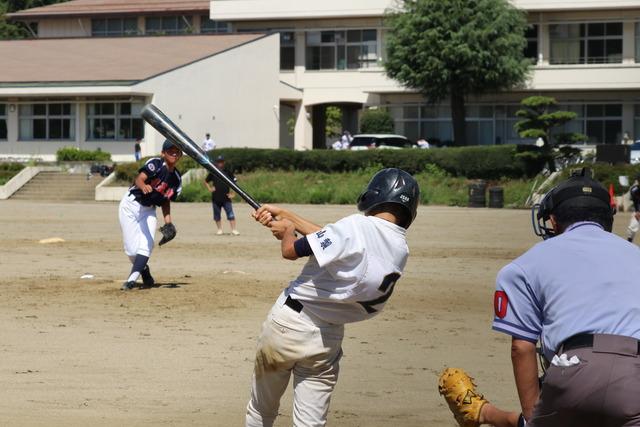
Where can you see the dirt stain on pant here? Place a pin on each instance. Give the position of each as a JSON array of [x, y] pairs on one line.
[[268, 360]]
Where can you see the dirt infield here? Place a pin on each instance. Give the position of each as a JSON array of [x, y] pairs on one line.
[[78, 352]]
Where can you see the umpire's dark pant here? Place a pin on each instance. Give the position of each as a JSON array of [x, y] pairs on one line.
[[603, 390]]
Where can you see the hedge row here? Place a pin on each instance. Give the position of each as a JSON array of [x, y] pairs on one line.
[[493, 162], [72, 154], [608, 174]]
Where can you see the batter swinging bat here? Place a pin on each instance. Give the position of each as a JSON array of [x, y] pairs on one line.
[[156, 118]]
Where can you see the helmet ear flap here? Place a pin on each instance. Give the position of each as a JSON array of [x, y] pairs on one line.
[[365, 196]]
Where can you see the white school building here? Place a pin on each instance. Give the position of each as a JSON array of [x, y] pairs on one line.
[[261, 73]]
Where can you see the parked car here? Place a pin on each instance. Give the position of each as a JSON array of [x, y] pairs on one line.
[[635, 153], [367, 141]]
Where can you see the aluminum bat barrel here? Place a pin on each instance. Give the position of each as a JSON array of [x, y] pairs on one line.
[[156, 118]]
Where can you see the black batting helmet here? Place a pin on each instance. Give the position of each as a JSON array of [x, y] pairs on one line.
[[580, 191], [395, 186]]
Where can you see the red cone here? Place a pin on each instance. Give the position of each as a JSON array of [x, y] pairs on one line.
[[612, 197]]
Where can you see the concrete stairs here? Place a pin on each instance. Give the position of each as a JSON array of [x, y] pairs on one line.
[[59, 186]]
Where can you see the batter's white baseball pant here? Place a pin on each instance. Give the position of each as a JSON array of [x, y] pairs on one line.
[[634, 226], [138, 224], [291, 342]]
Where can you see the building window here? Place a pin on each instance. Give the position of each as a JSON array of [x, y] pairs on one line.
[[3, 121], [166, 25], [603, 123], [55, 121], [209, 26], [531, 50], [637, 42], [287, 50], [114, 27], [114, 121], [433, 123], [349, 49], [593, 43]]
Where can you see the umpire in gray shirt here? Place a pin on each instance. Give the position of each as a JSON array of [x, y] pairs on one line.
[[578, 293]]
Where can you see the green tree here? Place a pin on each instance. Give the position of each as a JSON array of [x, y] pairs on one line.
[[18, 30], [539, 116], [333, 126], [456, 48], [376, 121]]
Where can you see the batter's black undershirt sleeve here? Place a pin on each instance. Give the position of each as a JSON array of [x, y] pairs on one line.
[[302, 247]]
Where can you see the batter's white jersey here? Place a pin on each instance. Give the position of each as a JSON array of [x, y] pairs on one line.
[[354, 267]]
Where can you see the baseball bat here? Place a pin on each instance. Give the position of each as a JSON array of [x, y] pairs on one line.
[[156, 118]]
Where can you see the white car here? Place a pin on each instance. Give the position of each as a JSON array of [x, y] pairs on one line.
[[635, 153], [368, 141]]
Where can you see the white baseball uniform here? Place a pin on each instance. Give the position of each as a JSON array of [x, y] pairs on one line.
[[351, 274], [208, 144], [137, 211]]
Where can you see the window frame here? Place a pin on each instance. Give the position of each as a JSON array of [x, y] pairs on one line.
[[586, 41], [118, 118], [217, 27], [339, 47], [3, 122], [531, 36], [121, 32], [49, 118], [183, 24], [637, 42]]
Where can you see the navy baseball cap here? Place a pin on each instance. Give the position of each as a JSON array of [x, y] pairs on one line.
[[166, 145], [220, 158]]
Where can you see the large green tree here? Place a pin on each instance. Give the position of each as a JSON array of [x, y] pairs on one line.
[[456, 48], [17, 30]]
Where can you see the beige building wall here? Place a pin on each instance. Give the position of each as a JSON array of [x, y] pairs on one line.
[[233, 96], [64, 27], [226, 95]]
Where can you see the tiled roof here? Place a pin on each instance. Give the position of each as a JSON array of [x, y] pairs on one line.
[[111, 7], [122, 59]]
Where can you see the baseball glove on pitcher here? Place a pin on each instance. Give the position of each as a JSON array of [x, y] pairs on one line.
[[459, 391], [168, 233]]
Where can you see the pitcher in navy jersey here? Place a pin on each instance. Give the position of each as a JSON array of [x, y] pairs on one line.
[[157, 184]]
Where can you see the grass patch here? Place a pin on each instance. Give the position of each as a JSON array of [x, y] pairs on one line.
[[307, 187], [8, 171]]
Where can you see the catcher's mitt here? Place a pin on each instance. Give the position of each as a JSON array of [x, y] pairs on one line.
[[459, 391], [168, 233]]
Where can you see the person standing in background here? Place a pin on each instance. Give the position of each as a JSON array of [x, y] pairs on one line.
[[221, 196], [208, 144], [137, 150]]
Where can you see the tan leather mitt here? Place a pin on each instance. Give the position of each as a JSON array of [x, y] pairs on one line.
[[459, 391]]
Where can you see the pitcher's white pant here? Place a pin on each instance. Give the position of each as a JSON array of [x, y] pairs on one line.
[[138, 224], [634, 226], [293, 342]]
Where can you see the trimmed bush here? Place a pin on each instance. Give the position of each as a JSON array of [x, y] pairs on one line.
[[8, 171], [491, 163], [72, 154], [376, 121]]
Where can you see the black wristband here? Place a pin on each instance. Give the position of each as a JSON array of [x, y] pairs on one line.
[[302, 247], [521, 421]]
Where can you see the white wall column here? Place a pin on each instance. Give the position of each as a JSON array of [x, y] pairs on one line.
[[628, 42], [299, 67], [81, 125], [544, 44], [303, 135], [13, 123]]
